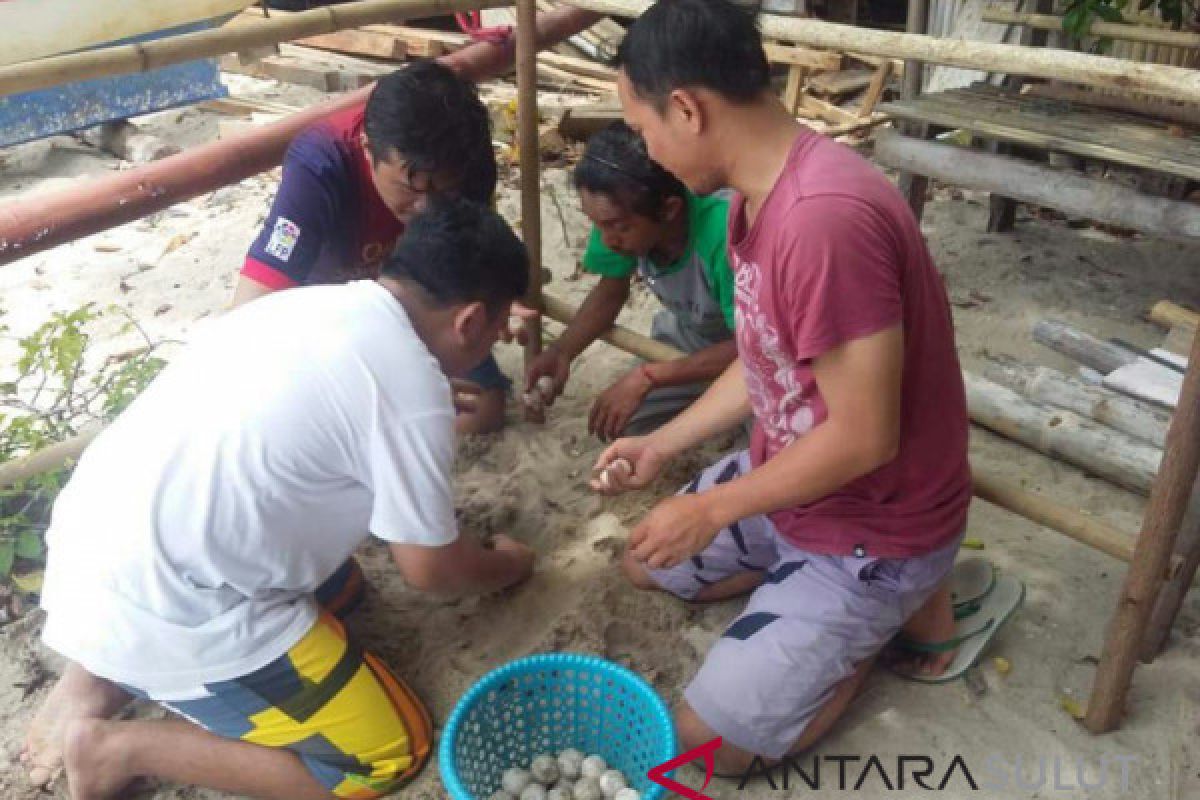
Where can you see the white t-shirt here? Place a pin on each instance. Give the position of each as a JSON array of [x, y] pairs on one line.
[[186, 547]]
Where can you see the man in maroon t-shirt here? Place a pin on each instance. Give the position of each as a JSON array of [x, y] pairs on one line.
[[844, 516]]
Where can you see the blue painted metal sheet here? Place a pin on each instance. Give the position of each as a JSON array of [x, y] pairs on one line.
[[75, 106]]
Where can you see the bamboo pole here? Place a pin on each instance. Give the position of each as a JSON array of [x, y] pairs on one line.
[[1173, 592], [1092, 70], [1070, 192], [529, 156], [1169, 315], [1152, 553], [48, 459], [243, 35], [1128, 33]]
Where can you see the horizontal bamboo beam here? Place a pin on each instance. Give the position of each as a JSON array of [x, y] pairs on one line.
[[1104, 72], [240, 36], [48, 459], [1070, 192], [1111, 30]]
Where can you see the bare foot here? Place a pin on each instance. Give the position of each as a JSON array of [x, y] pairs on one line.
[[96, 765], [77, 695], [933, 623]]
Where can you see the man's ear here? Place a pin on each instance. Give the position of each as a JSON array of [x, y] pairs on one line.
[[672, 208], [471, 323], [688, 110]]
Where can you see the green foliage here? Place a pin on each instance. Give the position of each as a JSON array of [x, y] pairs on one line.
[[1080, 14], [55, 394]]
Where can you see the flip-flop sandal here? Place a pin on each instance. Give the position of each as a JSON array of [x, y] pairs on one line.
[[973, 631], [971, 580]]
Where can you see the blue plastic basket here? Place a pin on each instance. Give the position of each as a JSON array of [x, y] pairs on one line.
[[545, 704]]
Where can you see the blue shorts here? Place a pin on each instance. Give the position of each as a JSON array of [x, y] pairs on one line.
[[489, 376]]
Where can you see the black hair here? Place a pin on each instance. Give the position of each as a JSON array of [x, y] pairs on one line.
[[708, 44], [435, 121], [616, 164], [460, 251]]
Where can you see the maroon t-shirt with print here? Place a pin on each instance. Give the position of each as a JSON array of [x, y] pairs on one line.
[[834, 255]]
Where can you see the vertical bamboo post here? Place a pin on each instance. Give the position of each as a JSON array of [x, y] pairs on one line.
[[1151, 555], [529, 158], [912, 185], [1170, 599]]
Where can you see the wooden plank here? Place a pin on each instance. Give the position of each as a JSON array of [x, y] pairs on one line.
[[793, 88], [875, 91], [1169, 314], [835, 115], [1175, 112], [1147, 380], [579, 66], [1110, 30], [1043, 131], [580, 122], [841, 82], [802, 56], [360, 43], [422, 42], [560, 77]]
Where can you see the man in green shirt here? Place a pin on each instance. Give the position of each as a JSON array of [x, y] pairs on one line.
[[646, 222]]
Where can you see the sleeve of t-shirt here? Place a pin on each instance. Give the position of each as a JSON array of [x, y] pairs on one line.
[[599, 260], [409, 465], [300, 220], [839, 275]]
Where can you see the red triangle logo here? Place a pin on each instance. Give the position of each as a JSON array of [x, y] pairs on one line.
[[659, 774]]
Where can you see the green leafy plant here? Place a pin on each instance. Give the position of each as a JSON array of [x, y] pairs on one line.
[[53, 397], [1080, 14]]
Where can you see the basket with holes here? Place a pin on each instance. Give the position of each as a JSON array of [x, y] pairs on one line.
[[552, 703]]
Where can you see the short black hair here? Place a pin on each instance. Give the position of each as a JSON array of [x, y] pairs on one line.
[[615, 163], [707, 44], [460, 251], [435, 121]]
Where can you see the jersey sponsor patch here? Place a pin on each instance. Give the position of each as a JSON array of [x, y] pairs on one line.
[[283, 239]]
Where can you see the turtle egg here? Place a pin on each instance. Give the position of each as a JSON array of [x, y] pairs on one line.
[[628, 794], [569, 763], [544, 769], [560, 793], [545, 385], [593, 767], [611, 782], [533, 400], [515, 780], [588, 789], [534, 791]]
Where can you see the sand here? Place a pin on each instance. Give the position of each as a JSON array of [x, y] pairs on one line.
[[178, 267]]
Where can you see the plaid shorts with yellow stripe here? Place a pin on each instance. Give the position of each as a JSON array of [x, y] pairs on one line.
[[358, 729]]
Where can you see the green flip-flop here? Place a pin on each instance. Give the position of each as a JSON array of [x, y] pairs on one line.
[[980, 620], [971, 580]]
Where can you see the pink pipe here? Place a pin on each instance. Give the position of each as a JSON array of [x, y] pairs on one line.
[[32, 224]]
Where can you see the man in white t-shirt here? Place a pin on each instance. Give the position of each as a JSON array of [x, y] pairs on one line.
[[192, 549]]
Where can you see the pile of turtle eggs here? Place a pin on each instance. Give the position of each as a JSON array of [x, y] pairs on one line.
[[569, 776]]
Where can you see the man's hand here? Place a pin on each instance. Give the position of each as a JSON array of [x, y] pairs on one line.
[[466, 395], [641, 452], [521, 555], [674, 531], [553, 363], [617, 404]]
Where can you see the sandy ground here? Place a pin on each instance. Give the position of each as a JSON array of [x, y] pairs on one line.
[[179, 266]]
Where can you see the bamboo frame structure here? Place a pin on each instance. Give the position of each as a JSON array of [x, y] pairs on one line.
[[1126, 32], [1103, 72], [239, 36]]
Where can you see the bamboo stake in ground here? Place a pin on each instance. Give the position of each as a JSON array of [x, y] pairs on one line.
[[531, 191], [1173, 592], [1160, 528]]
